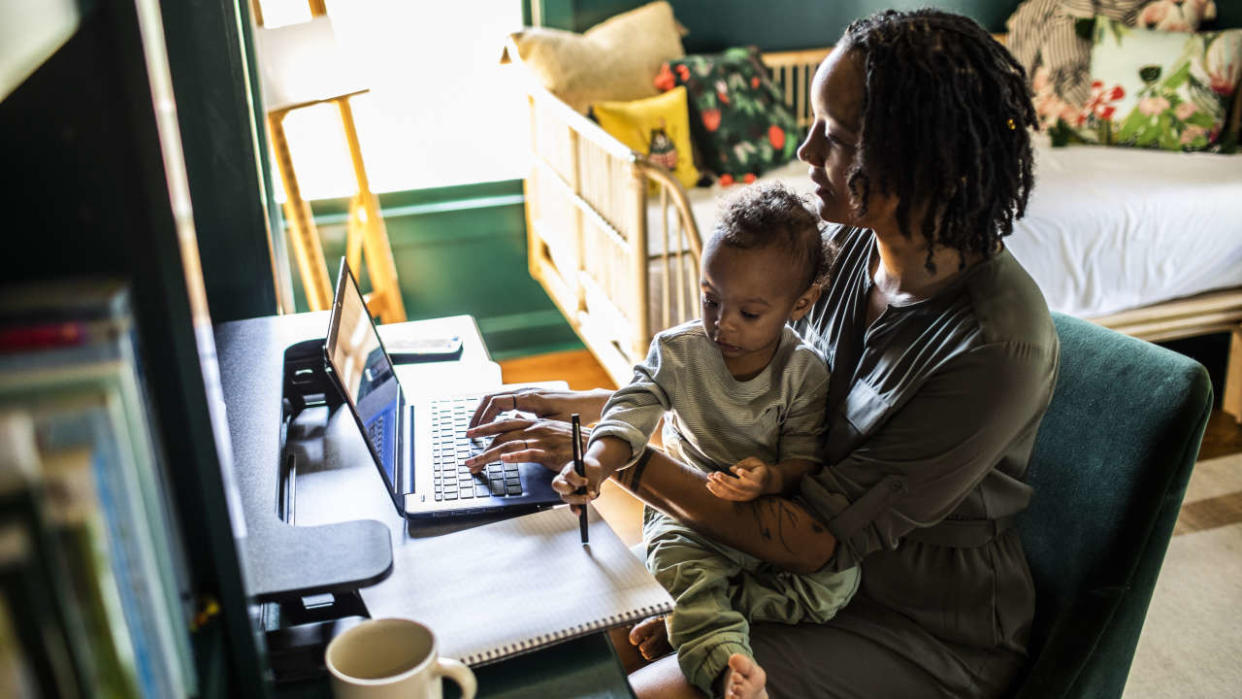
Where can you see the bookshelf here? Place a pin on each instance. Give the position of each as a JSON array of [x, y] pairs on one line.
[[95, 183]]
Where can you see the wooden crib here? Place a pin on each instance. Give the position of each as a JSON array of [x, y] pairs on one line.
[[610, 235], [613, 240]]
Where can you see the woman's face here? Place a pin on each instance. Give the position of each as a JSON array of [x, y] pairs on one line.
[[832, 142]]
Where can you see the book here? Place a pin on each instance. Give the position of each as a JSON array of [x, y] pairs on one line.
[[35, 654], [518, 585], [33, 575], [74, 512], [16, 680], [118, 531]]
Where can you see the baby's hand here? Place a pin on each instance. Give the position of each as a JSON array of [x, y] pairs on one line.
[[753, 478], [569, 482]]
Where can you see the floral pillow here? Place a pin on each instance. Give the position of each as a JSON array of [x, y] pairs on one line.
[[1155, 89], [737, 118], [1052, 40], [1176, 15]]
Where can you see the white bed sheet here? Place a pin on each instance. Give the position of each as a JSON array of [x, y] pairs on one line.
[[1107, 229]]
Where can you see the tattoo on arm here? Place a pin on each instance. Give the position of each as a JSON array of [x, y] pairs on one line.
[[776, 519], [631, 476]]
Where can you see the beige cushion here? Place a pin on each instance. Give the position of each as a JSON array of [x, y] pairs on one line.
[[615, 60]]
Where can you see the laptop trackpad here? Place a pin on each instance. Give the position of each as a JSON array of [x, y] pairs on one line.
[[537, 481]]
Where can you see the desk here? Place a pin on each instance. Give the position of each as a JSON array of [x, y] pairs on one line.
[[351, 495]]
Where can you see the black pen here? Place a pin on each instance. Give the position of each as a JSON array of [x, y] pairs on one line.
[[580, 469]]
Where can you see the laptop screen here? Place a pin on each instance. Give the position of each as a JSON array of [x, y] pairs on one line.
[[364, 371]]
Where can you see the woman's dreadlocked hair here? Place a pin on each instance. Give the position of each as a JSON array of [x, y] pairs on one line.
[[945, 114]]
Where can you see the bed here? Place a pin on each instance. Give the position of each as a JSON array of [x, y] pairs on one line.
[[615, 240]]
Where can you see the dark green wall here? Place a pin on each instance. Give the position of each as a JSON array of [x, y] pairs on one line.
[[461, 250], [778, 25], [773, 25], [1228, 14]]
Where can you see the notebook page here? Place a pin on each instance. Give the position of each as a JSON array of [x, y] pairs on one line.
[[517, 585]]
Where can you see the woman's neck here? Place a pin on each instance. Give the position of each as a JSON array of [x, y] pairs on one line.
[[901, 274]]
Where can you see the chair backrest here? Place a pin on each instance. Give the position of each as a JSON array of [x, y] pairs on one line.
[[1109, 469]]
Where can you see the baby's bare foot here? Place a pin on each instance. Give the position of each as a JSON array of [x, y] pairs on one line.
[[650, 636], [745, 680]]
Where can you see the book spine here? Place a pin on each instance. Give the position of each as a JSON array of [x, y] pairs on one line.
[[78, 369]]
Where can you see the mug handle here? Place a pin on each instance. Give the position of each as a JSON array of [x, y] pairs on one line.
[[459, 673]]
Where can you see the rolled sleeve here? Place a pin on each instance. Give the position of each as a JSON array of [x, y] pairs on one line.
[[635, 409], [916, 468]]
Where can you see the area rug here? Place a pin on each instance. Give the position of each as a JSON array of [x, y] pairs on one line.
[[1191, 643]]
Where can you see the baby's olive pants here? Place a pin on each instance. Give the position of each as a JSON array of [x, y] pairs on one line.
[[718, 591]]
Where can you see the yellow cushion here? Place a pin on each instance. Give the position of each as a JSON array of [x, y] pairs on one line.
[[615, 60], [660, 124]]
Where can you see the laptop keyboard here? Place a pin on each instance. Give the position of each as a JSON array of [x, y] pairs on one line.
[[376, 433], [453, 481]]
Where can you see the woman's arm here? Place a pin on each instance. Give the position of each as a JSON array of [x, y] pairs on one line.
[[552, 405], [771, 528], [976, 415]]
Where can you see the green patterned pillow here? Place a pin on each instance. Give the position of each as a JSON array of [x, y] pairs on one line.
[[1155, 89], [738, 121]]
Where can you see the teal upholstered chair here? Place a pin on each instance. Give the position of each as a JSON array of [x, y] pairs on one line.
[[1109, 469]]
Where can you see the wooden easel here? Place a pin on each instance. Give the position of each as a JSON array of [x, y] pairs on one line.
[[365, 230]]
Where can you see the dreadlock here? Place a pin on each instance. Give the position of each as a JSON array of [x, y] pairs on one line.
[[945, 114], [772, 215]]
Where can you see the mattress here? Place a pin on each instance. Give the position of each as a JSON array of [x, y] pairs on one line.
[[1106, 229]]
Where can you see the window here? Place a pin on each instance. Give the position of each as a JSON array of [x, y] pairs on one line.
[[441, 109]]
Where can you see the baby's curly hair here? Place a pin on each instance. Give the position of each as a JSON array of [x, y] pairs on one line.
[[770, 214], [945, 117]]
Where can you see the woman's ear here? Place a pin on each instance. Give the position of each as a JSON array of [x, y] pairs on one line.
[[804, 303]]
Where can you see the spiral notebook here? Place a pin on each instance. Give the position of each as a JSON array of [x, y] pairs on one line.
[[517, 585]]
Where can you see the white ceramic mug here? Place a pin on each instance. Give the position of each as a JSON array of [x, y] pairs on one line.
[[391, 658]]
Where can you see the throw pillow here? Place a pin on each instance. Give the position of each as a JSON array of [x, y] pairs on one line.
[[614, 60], [1176, 15], [1158, 89], [737, 118], [1052, 40], [658, 127]]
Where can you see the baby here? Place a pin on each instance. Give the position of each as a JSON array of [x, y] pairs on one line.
[[743, 399]]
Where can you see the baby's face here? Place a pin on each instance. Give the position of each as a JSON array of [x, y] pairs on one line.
[[747, 295]]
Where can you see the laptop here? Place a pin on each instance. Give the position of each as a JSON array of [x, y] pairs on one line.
[[418, 439]]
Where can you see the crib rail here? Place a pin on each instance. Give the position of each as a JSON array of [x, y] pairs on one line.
[[610, 235], [792, 72]]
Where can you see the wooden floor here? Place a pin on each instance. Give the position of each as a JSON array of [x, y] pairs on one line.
[[1222, 438]]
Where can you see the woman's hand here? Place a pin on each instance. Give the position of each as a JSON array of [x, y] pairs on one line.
[[552, 405], [519, 440], [752, 478]]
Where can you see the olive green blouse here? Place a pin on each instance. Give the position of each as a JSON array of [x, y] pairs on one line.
[[932, 414]]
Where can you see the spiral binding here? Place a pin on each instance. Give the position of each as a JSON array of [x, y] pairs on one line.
[[567, 634]]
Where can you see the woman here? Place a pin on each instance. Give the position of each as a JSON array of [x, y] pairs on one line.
[[943, 359]]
